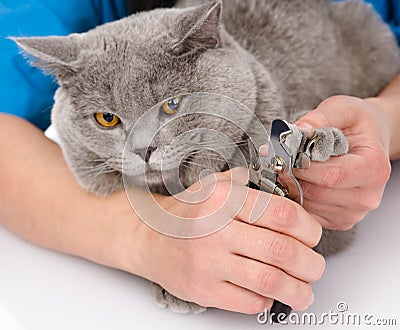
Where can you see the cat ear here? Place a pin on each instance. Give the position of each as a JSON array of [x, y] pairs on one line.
[[55, 55], [206, 31]]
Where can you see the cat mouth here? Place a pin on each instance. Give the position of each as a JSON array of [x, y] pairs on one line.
[[150, 171]]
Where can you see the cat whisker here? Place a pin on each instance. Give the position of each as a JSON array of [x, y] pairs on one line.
[[97, 169], [46, 109], [231, 161], [188, 162], [103, 160], [215, 149], [98, 166], [219, 142]]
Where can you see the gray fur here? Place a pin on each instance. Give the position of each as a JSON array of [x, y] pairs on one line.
[[166, 300], [280, 58], [328, 142]]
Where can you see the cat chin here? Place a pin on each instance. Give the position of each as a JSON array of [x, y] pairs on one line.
[[104, 184], [165, 182]]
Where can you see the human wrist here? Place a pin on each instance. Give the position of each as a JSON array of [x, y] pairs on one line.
[[392, 119], [117, 238], [133, 245]]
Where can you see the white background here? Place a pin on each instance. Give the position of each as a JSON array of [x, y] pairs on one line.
[[44, 290]]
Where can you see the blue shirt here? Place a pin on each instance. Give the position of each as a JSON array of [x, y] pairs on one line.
[[389, 10], [25, 91]]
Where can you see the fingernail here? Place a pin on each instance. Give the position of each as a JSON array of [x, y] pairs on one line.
[[311, 299], [306, 127], [263, 150]]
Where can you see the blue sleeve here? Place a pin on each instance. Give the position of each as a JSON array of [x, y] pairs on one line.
[[389, 10], [24, 90]]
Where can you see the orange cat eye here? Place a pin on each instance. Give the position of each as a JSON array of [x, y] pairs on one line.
[[107, 119]]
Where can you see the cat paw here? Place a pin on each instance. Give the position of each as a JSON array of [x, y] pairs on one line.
[[327, 142], [324, 143], [166, 300]]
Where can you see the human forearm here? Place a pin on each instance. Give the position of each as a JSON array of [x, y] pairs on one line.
[[41, 201], [388, 101]]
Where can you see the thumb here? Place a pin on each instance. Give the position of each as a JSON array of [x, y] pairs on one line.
[[239, 175], [336, 111], [314, 119]]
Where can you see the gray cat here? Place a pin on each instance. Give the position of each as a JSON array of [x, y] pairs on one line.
[[280, 58]]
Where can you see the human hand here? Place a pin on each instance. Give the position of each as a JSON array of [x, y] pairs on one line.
[[340, 192], [244, 266]]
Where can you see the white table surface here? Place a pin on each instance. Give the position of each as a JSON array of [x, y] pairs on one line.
[[44, 290]]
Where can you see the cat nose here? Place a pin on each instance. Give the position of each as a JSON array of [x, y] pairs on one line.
[[144, 153]]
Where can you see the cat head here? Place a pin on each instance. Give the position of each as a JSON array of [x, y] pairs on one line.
[[112, 75]]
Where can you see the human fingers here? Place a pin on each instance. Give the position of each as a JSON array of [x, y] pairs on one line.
[[279, 250], [358, 198], [280, 214], [234, 298], [347, 171], [269, 281], [338, 111], [334, 217]]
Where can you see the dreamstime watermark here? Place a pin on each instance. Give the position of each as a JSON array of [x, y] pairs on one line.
[[340, 316]]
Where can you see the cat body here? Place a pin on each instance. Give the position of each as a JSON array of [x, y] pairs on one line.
[[310, 50], [278, 58]]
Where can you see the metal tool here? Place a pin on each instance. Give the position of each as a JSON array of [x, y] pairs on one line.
[[275, 174]]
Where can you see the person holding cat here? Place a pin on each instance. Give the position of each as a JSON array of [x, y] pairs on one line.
[[41, 202]]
